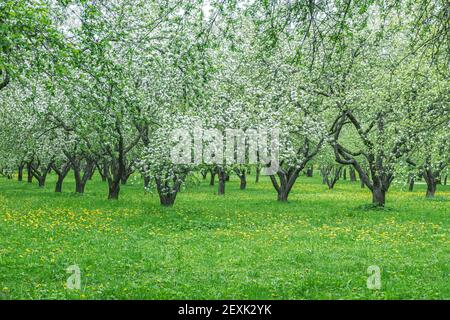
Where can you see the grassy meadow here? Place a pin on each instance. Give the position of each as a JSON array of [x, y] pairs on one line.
[[244, 245]]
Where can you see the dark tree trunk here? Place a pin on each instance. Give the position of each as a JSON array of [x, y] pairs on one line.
[[82, 175], [41, 181], [445, 180], [124, 179], [213, 176], [431, 183], [331, 175], [287, 180], [167, 200], [29, 173], [227, 177], [20, 173], [62, 173], [103, 174], [344, 174], [352, 174], [282, 196], [114, 189], [102, 170], [79, 186], [378, 196], [59, 182], [203, 173], [411, 183], [241, 173], [258, 172], [309, 172], [243, 184], [40, 172], [222, 180], [168, 193], [146, 182], [128, 171]]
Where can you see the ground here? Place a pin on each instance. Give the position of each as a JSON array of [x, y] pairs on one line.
[[244, 245]]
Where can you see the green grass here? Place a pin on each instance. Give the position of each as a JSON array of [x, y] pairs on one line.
[[244, 245]]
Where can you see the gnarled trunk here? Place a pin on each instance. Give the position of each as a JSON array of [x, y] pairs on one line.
[[81, 178], [431, 181], [282, 196], [62, 173], [287, 180], [167, 200], [40, 172], [114, 189], [378, 196], [168, 193]]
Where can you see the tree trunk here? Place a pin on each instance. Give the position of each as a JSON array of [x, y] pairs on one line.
[[79, 184], [222, 179], [41, 182], [146, 182], [344, 174], [411, 183], [167, 200], [20, 173], [431, 183], [243, 179], [258, 172], [29, 173], [59, 182], [79, 187], [352, 174], [282, 196], [378, 196], [114, 189], [61, 176], [213, 176], [309, 172], [431, 190]]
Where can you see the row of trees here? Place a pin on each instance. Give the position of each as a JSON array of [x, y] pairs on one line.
[[100, 85]]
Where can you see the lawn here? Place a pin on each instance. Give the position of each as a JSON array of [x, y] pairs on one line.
[[244, 245]]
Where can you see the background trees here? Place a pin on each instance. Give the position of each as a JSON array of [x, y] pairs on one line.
[[100, 85]]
